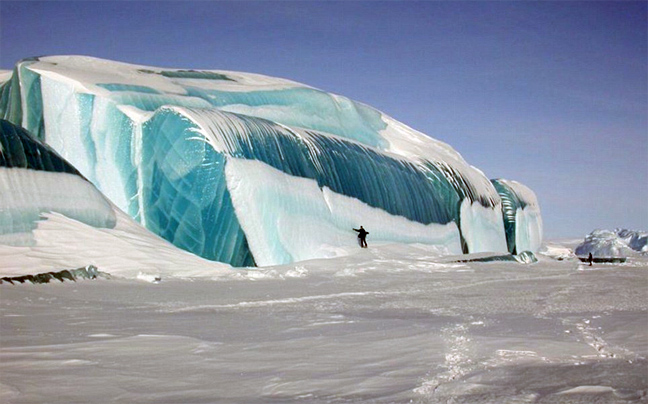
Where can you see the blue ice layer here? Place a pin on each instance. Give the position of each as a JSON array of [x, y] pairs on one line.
[[128, 87], [184, 194], [24, 84], [20, 152], [305, 108], [18, 149], [511, 202], [185, 199], [297, 106]]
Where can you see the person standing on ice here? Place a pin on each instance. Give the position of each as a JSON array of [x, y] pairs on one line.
[[362, 235], [590, 259]]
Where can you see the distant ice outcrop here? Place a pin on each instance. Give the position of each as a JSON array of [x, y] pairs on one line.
[[637, 240], [617, 243]]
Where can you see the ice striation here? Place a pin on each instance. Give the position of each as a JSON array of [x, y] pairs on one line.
[[521, 214], [52, 219], [32, 176], [252, 170]]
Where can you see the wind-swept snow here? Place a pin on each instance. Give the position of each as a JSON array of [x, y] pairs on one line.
[[390, 324], [125, 250]]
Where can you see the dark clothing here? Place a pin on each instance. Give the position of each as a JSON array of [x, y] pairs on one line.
[[590, 259], [362, 235]]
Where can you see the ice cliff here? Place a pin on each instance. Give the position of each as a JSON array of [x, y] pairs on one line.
[[248, 169]]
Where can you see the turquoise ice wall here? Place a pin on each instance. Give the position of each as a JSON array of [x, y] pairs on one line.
[[158, 148], [186, 201], [184, 196]]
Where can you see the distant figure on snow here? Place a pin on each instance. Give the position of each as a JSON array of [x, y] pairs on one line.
[[362, 235], [590, 259]]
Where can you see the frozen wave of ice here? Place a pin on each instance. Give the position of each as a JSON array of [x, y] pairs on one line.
[[156, 143]]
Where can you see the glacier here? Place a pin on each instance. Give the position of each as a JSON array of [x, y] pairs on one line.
[[250, 170]]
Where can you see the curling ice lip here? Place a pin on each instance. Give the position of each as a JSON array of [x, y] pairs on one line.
[[51, 218], [521, 213]]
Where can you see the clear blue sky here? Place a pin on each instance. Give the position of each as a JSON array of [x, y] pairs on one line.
[[552, 94]]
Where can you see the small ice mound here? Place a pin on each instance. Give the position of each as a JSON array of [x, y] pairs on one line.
[[588, 390], [149, 278], [262, 274], [526, 257], [297, 272], [557, 252], [617, 243]]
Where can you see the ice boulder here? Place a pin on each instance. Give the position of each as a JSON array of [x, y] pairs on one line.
[[249, 169], [617, 243]]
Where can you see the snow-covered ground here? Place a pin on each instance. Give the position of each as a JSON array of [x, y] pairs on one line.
[[391, 324]]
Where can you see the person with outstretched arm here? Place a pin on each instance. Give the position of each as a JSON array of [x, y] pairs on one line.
[[362, 236]]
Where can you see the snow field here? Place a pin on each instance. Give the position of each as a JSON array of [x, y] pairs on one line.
[[389, 324]]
